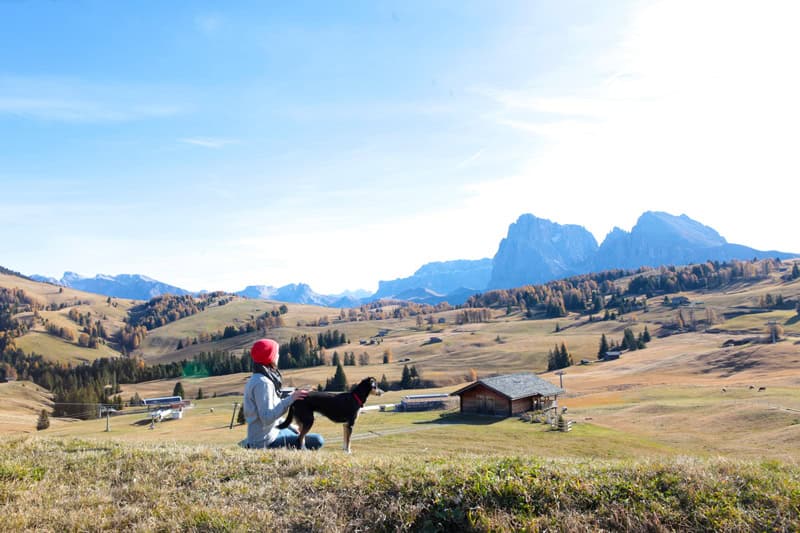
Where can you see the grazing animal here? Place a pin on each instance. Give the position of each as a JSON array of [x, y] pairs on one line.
[[752, 387], [723, 389], [342, 407], [761, 388]]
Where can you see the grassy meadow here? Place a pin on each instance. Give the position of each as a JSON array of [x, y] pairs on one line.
[[650, 458], [699, 431], [50, 484], [43, 343]]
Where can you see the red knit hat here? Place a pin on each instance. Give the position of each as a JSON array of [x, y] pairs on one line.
[[265, 351]]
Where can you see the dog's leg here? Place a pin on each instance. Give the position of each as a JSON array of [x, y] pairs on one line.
[[305, 426], [348, 432], [301, 436]]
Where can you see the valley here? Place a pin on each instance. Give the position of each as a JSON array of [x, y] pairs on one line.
[[700, 406], [682, 379]]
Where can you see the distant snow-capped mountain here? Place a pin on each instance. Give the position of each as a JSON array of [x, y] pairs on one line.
[[133, 286]]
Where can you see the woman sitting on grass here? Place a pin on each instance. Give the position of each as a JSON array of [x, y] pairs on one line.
[[263, 405]]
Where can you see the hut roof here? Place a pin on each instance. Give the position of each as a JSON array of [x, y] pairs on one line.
[[514, 386]]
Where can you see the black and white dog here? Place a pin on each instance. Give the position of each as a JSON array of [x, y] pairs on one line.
[[339, 407]]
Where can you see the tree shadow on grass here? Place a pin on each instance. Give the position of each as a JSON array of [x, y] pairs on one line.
[[729, 364], [458, 418]]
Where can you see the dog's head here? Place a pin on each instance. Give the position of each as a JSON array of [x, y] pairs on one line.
[[373, 385]]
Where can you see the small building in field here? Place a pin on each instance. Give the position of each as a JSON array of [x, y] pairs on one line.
[[678, 301], [508, 395], [611, 355], [427, 402]]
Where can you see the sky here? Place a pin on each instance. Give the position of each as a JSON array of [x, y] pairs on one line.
[[214, 145]]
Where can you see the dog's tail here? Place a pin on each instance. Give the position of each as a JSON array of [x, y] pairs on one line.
[[289, 418]]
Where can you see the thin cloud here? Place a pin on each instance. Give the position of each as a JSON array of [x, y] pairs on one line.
[[208, 142], [470, 160], [65, 110], [72, 100]]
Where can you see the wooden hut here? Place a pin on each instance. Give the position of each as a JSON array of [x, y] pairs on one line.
[[508, 395]]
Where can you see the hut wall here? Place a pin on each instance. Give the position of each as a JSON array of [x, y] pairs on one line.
[[482, 400], [521, 405]]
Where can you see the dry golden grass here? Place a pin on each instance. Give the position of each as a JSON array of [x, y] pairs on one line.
[[51, 484], [60, 350], [22, 402]]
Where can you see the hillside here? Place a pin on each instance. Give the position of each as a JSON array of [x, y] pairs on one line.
[[508, 341], [161, 343], [22, 402], [54, 306]]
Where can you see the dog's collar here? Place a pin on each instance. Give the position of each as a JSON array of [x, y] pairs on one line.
[[358, 400]]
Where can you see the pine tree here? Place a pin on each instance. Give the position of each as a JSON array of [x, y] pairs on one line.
[[597, 303], [44, 421], [339, 380], [565, 359], [240, 417], [405, 380], [178, 390], [135, 399], [603, 347], [552, 360], [558, 358], [629, 340], [200, 393], [416, 378], [384, 384]]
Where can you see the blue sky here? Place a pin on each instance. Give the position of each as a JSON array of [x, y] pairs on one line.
[[216, 145]]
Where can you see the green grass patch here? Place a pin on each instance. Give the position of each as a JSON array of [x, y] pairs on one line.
[[757, 322]]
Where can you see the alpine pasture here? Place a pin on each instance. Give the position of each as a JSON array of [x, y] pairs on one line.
[[698, 430]]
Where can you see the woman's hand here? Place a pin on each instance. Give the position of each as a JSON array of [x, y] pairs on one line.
[[299, 394]]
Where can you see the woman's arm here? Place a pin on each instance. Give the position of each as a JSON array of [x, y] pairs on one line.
[[268, 406]]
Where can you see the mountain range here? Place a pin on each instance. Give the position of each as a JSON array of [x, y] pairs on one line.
[[133, 286], [534, 251]]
